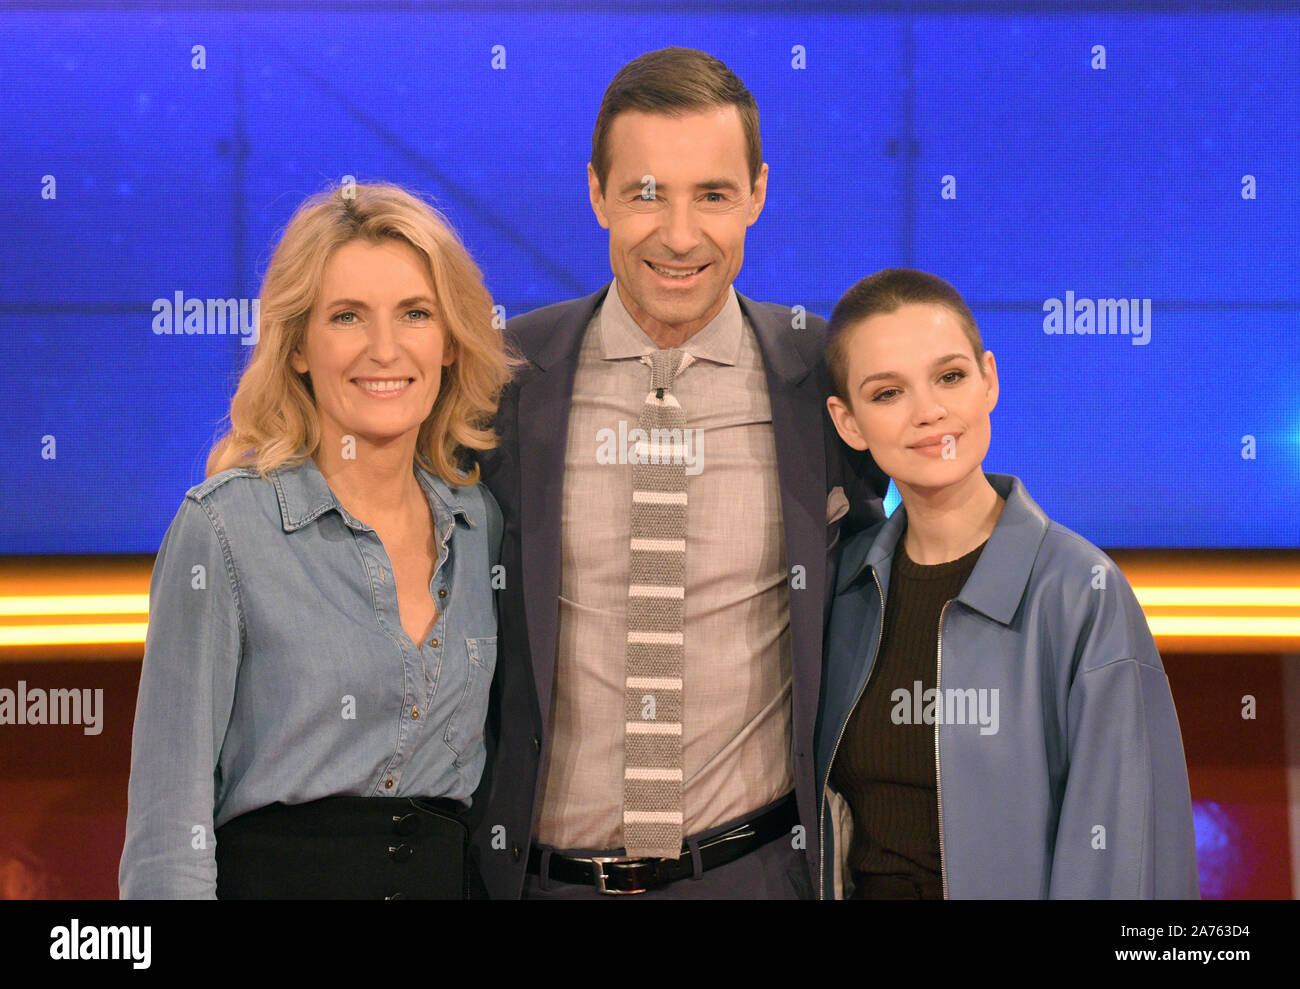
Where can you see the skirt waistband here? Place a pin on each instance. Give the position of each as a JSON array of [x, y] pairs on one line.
[[348, 848], [333, 816]]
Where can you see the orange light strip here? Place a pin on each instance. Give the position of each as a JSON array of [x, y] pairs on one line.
[[1218, 597], [1219, 626], [1193, 600], [73, 605], [96, 633], [1281, 621]]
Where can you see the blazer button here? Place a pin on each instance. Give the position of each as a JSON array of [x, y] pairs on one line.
[[400, 853], [395, 896], [406, 825], [515, 851]]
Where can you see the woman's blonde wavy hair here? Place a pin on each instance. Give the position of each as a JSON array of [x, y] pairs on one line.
[[273, 421]]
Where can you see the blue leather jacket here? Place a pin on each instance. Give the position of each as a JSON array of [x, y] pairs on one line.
[[1059, 764]]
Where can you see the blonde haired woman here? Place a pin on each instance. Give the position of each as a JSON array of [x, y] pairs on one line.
[[322, 630]]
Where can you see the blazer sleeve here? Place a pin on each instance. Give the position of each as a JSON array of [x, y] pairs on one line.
[[1125, 829], [187, 686]]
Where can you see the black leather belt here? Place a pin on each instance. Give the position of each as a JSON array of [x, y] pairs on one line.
[[618, 875]]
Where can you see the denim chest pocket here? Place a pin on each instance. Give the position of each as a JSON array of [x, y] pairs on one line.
[[465, 726]]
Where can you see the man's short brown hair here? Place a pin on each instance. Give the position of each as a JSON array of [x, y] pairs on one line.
[[884, 292], [674, 82]]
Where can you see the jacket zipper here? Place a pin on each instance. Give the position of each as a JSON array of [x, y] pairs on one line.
[[938, 776], [821, 817]]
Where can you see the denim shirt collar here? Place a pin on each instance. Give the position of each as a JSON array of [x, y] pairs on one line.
[[304, 496], [1001, 575]]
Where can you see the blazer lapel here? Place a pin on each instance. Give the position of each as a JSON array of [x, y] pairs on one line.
[[545, 394], [798, 405]]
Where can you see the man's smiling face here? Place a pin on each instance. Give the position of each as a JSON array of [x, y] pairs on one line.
[[677, 202]]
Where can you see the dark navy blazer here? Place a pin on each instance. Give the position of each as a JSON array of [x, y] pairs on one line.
[[526, 475]]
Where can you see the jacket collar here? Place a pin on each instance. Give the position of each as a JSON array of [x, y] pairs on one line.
[[304, 497], [1001, 575], [565, 338], [775, 339]]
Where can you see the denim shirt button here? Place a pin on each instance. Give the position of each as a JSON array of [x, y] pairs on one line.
[[433, 642]]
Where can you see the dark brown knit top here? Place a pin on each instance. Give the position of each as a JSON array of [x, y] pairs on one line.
[[886, 771]]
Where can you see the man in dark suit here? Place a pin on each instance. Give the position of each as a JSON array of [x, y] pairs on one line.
[[673, 492]]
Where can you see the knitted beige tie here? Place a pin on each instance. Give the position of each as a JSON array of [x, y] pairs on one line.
[[652, 753]]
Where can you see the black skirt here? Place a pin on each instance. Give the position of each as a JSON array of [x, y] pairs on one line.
[[349, 848]]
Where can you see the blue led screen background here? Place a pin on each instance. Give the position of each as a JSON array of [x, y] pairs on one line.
[[1119, 182]]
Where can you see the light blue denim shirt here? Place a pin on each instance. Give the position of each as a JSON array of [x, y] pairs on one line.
[[276, 668]]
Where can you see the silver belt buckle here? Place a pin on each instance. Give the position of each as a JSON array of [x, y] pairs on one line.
[[597, 864]]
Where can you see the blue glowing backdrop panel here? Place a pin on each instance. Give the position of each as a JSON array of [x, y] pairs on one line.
[[992, 148]]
